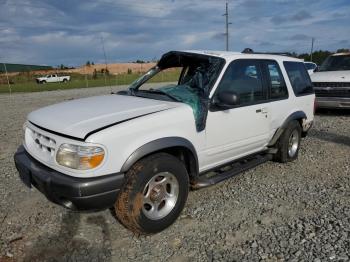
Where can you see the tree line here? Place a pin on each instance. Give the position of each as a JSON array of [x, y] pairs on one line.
[[319, 56]]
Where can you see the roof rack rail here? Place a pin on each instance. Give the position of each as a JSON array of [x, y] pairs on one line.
[[251, 51]]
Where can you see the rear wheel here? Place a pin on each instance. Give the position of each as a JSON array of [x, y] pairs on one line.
[[154, 195], [289, 143], [43, 82], [65, 80]]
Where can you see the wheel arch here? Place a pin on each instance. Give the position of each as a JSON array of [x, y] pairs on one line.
[[176, 146], [298, 115]]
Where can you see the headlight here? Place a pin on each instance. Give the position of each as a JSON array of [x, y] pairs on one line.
[[79, 157]]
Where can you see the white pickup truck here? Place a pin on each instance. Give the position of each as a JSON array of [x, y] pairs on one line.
[[332, 82], [52, 79], [141, 150]]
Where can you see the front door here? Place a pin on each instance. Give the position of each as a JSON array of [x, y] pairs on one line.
[[244, 129]]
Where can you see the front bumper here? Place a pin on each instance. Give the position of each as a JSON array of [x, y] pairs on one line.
[[71, 192], [332, 102]]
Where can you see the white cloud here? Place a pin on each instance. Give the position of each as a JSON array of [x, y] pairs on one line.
[[53, 32]]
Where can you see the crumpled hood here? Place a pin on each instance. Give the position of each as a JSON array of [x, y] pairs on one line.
[[331, 76], [79, 117]]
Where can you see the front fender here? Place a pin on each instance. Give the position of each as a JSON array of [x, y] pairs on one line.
[[158, 145]]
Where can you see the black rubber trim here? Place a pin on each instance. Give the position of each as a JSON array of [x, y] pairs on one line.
[[94, 131], [157, 145], [82, 193], [57, 133], [294, 116], [116, 123]]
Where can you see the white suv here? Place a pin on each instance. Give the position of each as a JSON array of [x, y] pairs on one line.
[[142, 149]]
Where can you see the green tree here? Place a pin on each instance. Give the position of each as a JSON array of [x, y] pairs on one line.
[[343, 50], [319, 56], [88, 63]]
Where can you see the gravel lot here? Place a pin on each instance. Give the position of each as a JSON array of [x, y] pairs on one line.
[[276, 212]]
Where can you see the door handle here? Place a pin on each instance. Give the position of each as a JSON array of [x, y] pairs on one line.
[[262, 110]]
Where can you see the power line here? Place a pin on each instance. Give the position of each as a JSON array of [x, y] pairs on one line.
[[106, 70]]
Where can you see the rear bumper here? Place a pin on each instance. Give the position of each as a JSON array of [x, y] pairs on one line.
[[71, 192], [332, 102]]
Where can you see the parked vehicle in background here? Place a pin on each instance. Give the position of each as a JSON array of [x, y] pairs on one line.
[[52, 79], [310, 66], [332, 82], [142, 149]]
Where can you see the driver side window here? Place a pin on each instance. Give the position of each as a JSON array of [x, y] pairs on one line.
[[243, 77]]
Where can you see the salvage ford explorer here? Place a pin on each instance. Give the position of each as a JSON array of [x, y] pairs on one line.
[[141, 150]]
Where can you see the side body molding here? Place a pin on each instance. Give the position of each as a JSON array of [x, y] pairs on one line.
[[298, 115], [158, 145]]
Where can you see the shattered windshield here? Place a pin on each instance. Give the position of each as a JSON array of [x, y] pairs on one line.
[[196, 76], [336, 63], [138, 82]]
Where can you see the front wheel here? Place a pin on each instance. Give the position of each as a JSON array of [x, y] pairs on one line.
[[154, 195], [289, 143]]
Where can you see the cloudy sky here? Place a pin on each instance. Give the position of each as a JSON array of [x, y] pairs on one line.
[[70, 32]]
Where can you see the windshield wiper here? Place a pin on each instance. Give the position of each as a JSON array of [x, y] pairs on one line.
[[160, 92]]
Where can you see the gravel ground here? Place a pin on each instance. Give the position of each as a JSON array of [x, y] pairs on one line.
[[298, 211]]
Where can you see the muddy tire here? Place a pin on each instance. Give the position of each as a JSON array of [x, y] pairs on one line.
[[289, 143], [154, 194]]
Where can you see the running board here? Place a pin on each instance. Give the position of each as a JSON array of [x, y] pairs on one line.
[[229, 170]]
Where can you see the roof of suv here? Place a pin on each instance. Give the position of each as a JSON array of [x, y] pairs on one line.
[[230, 55], [340, 54]]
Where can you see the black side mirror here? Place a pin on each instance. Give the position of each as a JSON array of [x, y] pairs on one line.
[[227, 99], [316, 69]]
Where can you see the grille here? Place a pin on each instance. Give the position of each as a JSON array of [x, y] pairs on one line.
[[333, 93], [331, 84], [44, 145]]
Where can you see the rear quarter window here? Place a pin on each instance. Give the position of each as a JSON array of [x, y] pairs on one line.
[[299, 78]]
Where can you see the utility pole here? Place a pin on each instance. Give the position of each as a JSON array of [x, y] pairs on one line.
[[227, 24], [7, 77], [104, 54], [312, 47]]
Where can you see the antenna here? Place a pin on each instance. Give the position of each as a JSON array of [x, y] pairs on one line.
[[227, 24], [104, 54]]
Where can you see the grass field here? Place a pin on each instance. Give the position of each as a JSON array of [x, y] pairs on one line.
[[23, 83]]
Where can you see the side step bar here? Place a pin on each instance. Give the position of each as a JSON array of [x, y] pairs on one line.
[[229, 170]]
